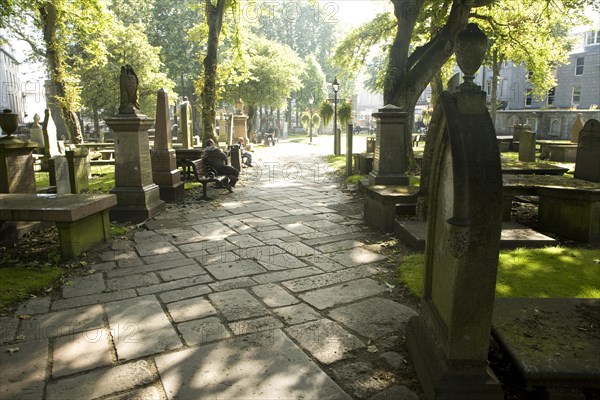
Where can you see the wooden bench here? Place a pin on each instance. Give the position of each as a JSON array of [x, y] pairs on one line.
[[199, 171], [82, 219]]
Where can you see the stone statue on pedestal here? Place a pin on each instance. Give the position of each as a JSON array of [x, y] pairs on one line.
[[129, 91]]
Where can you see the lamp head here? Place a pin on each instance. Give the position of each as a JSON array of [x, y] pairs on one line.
[[335, 85]]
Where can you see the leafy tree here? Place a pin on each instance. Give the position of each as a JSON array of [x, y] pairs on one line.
[[313, 84], [100, 93], [273, 72], [59, 24], [420, 37]]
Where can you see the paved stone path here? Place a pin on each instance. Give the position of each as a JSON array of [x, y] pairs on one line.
[[271, 292]]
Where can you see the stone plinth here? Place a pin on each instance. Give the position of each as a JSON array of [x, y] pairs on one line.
[[186, 131], [164, 162], [223, 131], [236, 157], [390, 165], [239, 127], [382, 202], [138, 197], [16, 165]]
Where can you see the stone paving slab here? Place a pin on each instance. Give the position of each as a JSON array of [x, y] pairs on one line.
[[63, 304], [140, 327], [237, 304], [155, 248], [260, 366], [8, 329], [37, 305], [101, 382], [154, 267], [374, 318], [230, 284], [325, 340], [172, 285], [235, 269], [278, 276], [297, 314], [185, 293], [357, 256], [22, 371], [194, 308], [255, 325], [147, 393], [345, 293], [62, 323], [203, 331], [330, 278], [274, 295], [133, 281], [67, 351], [84, 285]]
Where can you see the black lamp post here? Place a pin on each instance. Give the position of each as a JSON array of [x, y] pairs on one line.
[[311, 100], [336, 138]]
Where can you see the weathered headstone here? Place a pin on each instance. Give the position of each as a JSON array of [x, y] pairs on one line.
[[390, 165], [587, 165], [448, 342], [61, 173], [526, 143], [186, 125], [164, 162], [138, 197], [577, 127]]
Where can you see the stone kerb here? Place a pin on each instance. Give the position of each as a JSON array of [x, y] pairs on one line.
[[448, 342]]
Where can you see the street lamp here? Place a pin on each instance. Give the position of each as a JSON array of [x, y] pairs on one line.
[[311, 100], [336, 139]]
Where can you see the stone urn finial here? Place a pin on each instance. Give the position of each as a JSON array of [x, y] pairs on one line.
[[471, 46], [239, 105], [9, 122]]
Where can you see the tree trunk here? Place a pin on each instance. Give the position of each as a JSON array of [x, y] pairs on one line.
[[214, 17], [97, 129], [49, 19], [251, 119], [408, 75]]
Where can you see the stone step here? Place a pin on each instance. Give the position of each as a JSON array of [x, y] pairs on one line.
[[514, 235]]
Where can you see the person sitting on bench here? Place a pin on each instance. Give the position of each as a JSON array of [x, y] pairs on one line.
[[246, 155], [217, 159]]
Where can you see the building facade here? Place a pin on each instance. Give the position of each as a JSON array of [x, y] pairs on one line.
[[11, 96]]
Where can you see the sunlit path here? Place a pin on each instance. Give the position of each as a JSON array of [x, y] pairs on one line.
[[274, 291]]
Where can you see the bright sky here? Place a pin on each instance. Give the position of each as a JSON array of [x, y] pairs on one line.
[[351, 13]]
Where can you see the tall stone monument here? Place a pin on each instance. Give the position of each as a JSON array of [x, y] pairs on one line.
[[448, 342], [37, 135], [389, 163], [138, 197], [239, 123], [223, 131], [164, 162], [587, 165], [186, 131]]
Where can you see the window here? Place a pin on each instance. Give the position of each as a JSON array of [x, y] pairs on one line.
[[529, 98], [592, 37], [576, 97], [579, 66], [550, 97]]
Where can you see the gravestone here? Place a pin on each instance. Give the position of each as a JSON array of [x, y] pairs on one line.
[[448, 342], [389, 164], [138, 197], [164, 162], [577, 127], [526, 143], [185, 125], [37, 135], [61, 175], [50, 136], [79, 167], [587, 165]]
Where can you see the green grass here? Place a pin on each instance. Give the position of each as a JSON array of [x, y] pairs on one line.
[[548, 272], [18, 281]]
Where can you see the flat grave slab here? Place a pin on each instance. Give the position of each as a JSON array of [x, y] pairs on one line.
[[513, 235], [554, 343]]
